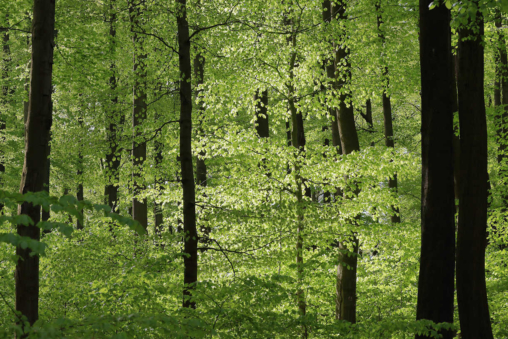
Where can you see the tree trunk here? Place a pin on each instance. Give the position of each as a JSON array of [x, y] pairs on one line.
[[435, 285], [139, 205], [471, 287], [456, 137], [45, 215], [159, 183], [113, 157], [79, 173], [387, 113], [37, 134], [189, 194], [262, 126], [348, 260]]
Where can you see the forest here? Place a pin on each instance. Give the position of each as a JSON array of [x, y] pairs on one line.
[[254, 169]]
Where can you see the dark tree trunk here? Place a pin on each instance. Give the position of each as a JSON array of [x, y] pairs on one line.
[[387, 113], [368, 115], [456, 137], [37, 134], [190, 275], [435, 285], [139, 205], [159, 182], [79, 173], [113, 156], [348, 261], [471, 287], [262, 114], [45, 215]]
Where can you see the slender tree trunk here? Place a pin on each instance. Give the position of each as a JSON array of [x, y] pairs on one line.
[[368, 115], [139, 205], [471, 287], [435, 285], [456, 137], [348, 261], [79, 173], [37, 133], [113, 157], [189, 194], [159, 182], [387, 112]]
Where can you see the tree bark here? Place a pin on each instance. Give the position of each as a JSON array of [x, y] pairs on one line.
[[456, 137], [436, 285], [348, 259], [189, 193], [262, 126], [387, 113], [79, 172], [159, 182], [37, 134], [471, 287], [45, 215], [113, 157], [139, 205]]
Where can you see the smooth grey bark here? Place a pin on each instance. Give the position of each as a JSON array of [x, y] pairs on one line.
[[436, 284], [187, 171], [37, 134], [387, 113], [471, 287], [139, 205]]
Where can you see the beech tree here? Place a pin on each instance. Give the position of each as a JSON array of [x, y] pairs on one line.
[[187, 171], [471, 288], [139, 205], [436, 279], [37, 134]]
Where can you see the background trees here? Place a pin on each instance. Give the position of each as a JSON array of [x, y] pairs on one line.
[[263, 225]]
